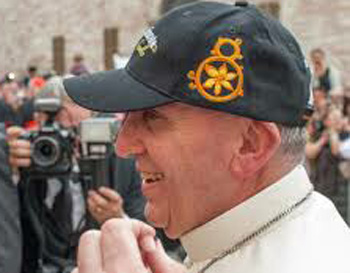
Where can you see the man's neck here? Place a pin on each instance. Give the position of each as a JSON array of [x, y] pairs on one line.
[[272, 173]]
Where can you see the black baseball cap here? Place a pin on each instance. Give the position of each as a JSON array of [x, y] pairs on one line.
[[230, 58]]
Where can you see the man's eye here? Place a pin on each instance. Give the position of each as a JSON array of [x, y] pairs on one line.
[[150, 115]]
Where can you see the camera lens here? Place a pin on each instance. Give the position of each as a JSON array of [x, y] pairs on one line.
[[46, 151]]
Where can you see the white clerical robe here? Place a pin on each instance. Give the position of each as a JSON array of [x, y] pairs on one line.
[[286, 228]]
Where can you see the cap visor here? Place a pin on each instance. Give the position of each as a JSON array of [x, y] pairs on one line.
[[113, 91]]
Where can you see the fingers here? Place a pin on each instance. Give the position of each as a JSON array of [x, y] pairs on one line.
[[158, 261], [19, 152], [14, 132], [116, 248], [20, 148], [105, 206], [120, 244], [19, 162], [97, 199], [89, 253], [110, 194], [93, 209], [106, 199]]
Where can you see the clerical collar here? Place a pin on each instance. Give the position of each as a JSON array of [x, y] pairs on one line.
[[230, 228]]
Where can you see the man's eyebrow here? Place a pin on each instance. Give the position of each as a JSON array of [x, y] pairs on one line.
[[160, 113]]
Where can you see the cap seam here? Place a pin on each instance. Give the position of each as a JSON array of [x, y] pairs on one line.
[[208, 23], [298, 120]]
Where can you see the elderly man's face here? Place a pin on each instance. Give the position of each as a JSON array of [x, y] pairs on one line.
[[183, 154]]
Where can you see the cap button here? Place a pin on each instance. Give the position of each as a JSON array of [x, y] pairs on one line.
[[241, 3]]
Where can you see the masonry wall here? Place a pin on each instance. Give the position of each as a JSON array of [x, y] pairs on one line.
[[325, 24], [28, 26]]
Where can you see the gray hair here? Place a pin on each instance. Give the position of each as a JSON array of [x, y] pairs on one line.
[[293, 141]]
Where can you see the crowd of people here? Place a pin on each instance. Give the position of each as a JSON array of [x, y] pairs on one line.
[[17, 92], [227, 178], [329, 133]]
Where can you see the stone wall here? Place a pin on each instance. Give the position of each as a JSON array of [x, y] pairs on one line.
[[28, 26]]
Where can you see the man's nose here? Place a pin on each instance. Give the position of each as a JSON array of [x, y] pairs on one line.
[[129, 142]]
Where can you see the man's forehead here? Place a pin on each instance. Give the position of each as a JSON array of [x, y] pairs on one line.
[[180, 110]]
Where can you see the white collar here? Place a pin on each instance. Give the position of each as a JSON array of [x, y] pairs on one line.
[[221, 233]]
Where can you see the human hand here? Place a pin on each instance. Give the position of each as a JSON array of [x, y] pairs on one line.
[[324, 139], [124, 245], [19, 149], [105, 204]]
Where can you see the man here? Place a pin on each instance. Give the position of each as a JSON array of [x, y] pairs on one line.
[[13, 109], [326, 77], [216, 97], [31, 73], [78, 68], [58, 202], [10, 240]]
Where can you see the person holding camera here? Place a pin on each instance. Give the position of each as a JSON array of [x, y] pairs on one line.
[[53, 197]]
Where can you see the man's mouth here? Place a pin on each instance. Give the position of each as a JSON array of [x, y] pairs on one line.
[[148, 177]]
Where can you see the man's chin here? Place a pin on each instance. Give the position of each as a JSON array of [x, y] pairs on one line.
[[171, 234], [154, 219]]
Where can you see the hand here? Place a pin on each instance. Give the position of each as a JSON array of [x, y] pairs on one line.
[[105, 204], [324, 139], [124, 245], [19, 152]]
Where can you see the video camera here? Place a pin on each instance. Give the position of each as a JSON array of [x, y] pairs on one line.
[[51, 145]]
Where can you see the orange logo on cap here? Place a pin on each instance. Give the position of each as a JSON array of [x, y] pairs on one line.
[[223, 78]]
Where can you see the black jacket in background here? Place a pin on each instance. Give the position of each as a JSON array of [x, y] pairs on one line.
[[50, 243]]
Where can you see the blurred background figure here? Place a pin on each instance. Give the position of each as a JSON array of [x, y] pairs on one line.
[[15, 108], [326, 77], [79, 67], [31, 73]]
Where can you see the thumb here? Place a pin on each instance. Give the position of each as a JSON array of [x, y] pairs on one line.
[[14, 132], [159, 262]]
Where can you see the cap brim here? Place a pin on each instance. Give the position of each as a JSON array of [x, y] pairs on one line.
[[113, 91]]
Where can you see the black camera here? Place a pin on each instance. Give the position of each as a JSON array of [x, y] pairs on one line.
[[51, 145]]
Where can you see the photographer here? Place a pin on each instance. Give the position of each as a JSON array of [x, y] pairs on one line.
[[53, 208]]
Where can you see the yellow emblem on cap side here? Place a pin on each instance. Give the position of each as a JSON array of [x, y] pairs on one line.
[[228, 76]]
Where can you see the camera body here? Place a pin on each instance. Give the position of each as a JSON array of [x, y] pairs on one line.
[[51, 145]]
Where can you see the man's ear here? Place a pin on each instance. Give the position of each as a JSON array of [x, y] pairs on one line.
[[259, 142]]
